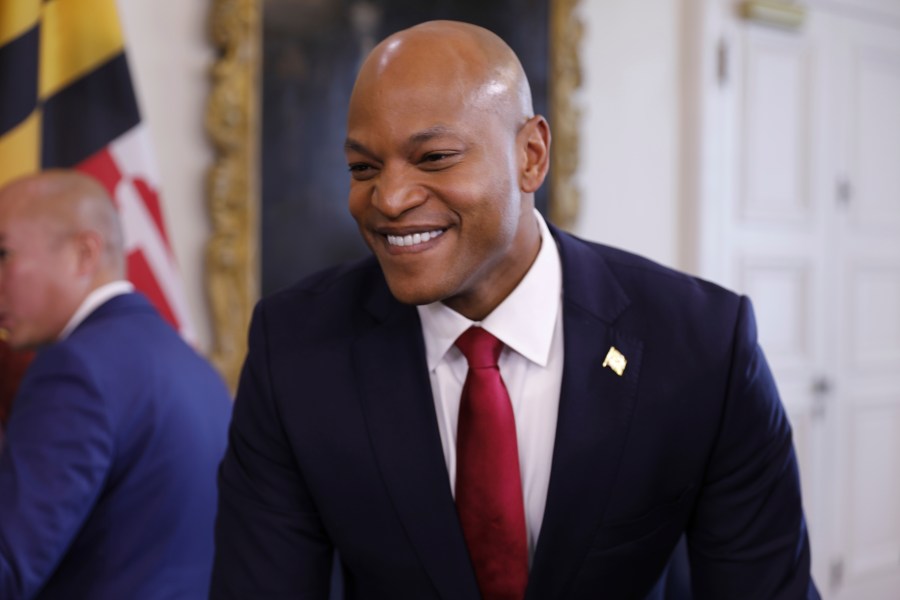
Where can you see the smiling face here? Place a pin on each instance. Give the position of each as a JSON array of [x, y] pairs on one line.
[[445, 157]]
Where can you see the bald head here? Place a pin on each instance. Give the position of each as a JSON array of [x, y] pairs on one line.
[[69, 202], [60, 239], [468, 62]]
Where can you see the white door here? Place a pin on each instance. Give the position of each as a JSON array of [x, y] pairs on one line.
[[808, 122], [865, 355], [775, 225]]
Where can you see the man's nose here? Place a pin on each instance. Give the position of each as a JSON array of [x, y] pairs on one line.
[[397, 191]]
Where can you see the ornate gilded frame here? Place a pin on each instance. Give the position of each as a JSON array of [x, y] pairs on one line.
[[232, 184]]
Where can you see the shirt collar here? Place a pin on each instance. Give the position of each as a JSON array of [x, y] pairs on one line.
[[536, 301], [93, 301]]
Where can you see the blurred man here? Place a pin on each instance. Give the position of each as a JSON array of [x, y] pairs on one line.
[[107, 477], [491, 408]]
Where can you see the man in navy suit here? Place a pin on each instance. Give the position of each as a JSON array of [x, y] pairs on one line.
[[644, 409], [107, 476]]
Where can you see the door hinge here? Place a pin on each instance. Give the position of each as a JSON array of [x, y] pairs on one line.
[[836, 574], [821, 388], [722, 62], [844, 190]]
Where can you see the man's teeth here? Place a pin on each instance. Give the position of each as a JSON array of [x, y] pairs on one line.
[[413, 239]]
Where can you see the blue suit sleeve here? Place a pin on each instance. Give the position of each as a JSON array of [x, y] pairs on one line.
[[270, 541], [748, 536], [55, 460]]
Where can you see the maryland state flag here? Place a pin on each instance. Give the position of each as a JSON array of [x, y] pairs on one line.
[[66, 100]]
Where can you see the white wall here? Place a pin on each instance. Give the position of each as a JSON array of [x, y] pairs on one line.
[[630, 139], [629, 144]]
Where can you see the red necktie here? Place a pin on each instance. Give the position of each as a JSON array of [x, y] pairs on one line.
[[488, 484]]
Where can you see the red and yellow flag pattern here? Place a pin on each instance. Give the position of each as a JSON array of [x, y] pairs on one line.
[[66, 100]]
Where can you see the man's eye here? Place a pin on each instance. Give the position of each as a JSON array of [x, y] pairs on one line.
[[438, 161], [361, 170], [4, 254]]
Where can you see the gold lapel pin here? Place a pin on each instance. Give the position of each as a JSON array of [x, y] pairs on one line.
[[615, 360]]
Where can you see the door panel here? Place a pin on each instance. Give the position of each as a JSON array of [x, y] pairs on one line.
[[867, 289], [811, 231]]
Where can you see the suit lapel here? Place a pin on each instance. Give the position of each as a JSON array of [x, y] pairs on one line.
[[595, 410], [399, 409]]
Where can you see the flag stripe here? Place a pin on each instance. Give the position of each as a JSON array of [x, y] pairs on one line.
[[151, 201], [66, 100], [17, 17], [19, 149], [18, 79], [76, 37], [103, 168], [140, 270], [88, 124], [141, 235], [124, 167]]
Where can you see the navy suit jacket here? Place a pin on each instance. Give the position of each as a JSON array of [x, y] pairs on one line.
[[107, 478], [334, 444]]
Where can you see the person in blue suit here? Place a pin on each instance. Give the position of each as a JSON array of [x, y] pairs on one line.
[[645, 412], [107, 475]]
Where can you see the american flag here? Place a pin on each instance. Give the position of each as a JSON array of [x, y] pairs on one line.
[[66, 100]]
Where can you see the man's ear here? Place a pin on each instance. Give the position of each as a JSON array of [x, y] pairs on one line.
[[89, 249], [534, 140]]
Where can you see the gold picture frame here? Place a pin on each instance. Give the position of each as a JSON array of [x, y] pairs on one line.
[[232, 181]]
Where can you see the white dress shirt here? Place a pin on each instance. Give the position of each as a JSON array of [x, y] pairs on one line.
[[93, 301], [529, 323]]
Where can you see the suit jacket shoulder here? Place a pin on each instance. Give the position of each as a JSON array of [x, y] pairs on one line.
[[640, 279], [697, 421], [329, 307], [120, 418]]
